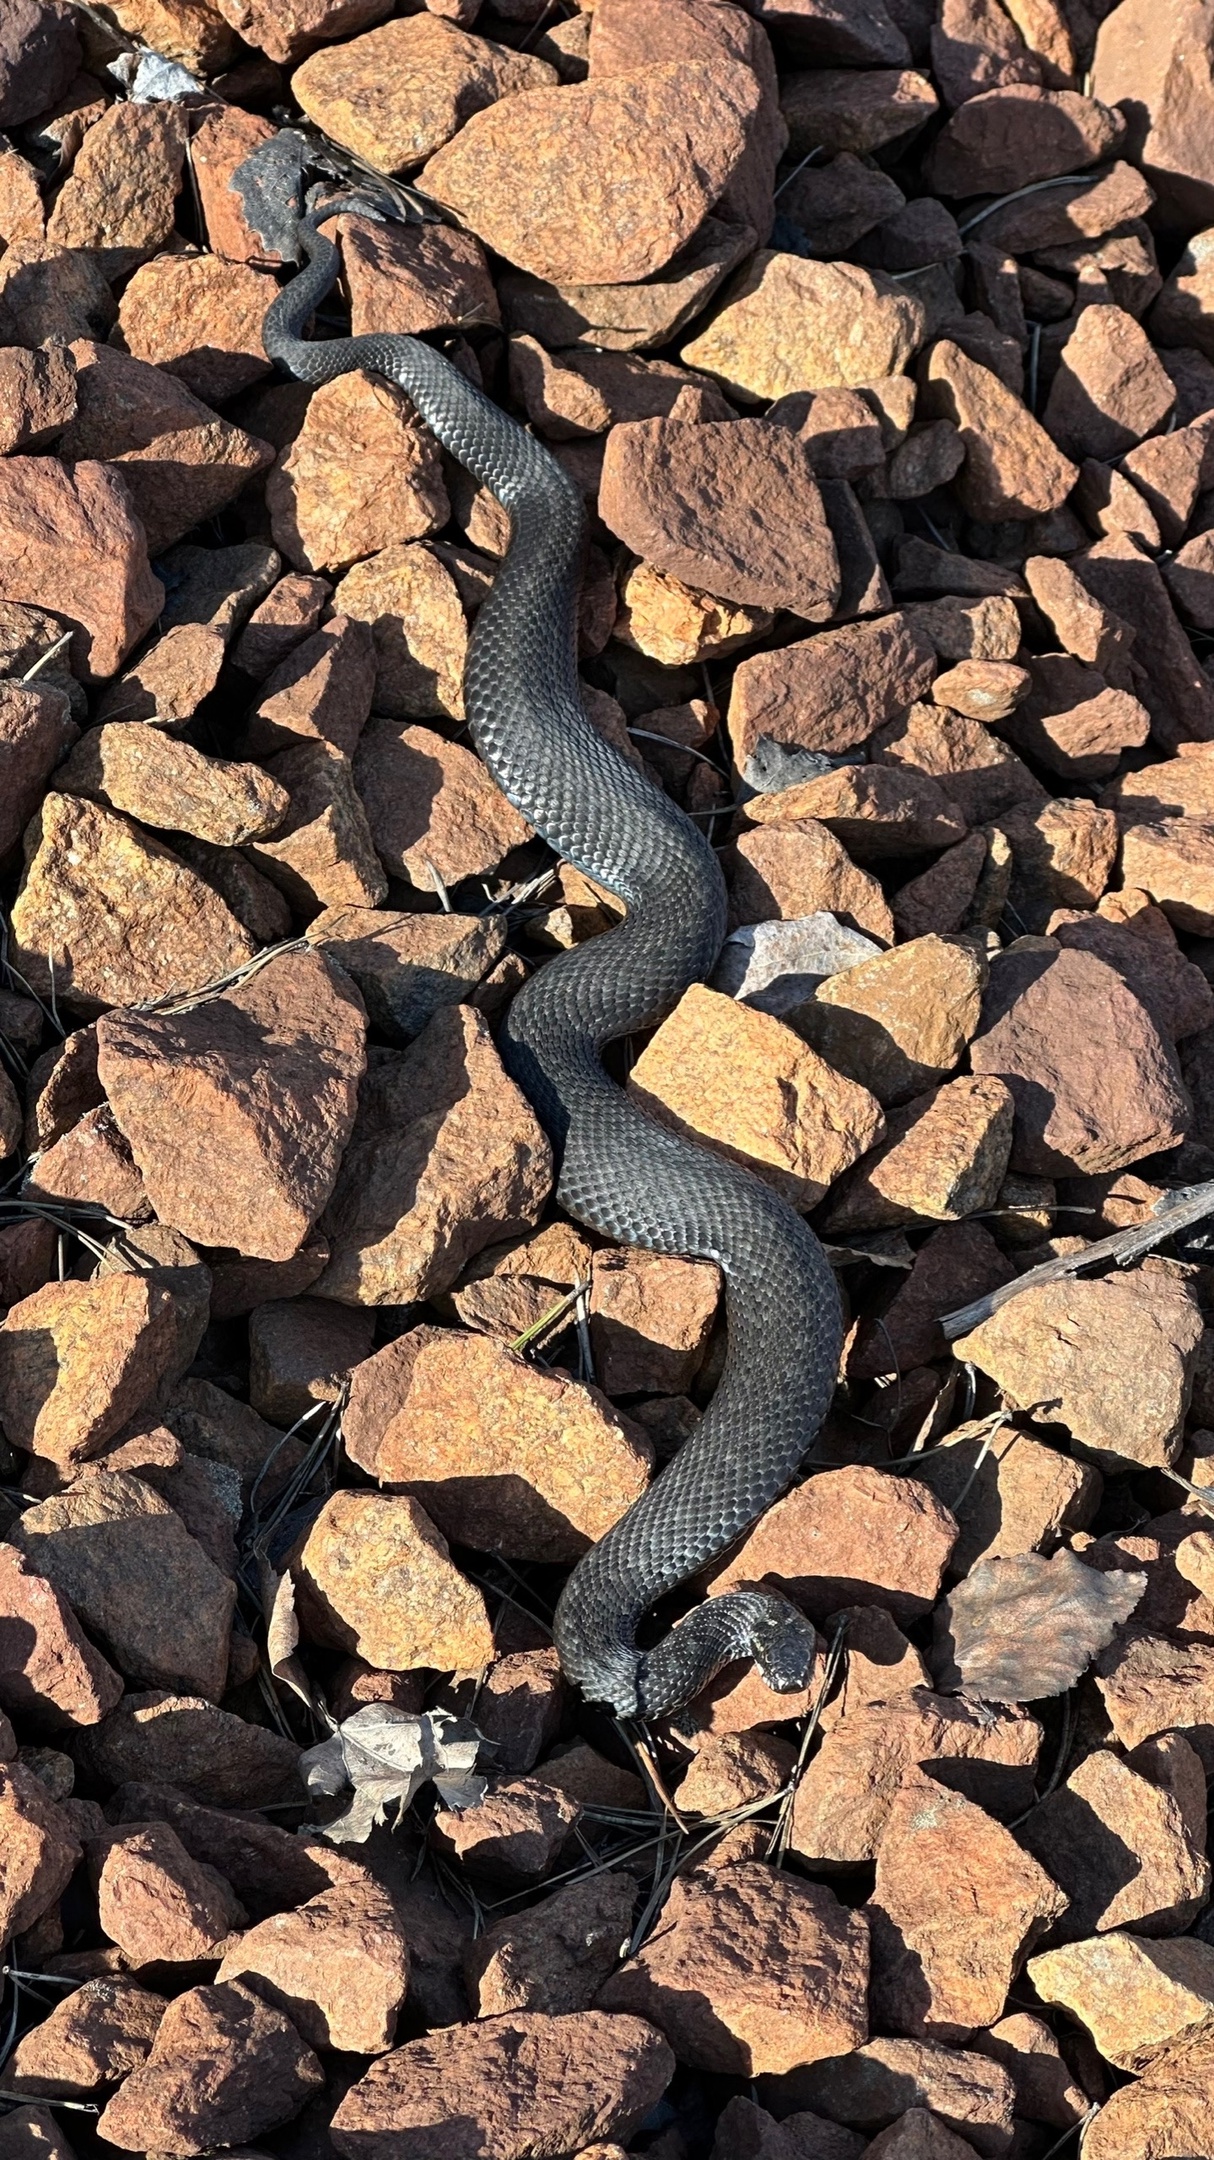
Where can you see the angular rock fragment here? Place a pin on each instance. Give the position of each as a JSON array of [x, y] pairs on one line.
[[374, 1577], [258, 2073]]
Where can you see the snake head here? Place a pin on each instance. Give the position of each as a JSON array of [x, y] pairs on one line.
[[784, 1645]]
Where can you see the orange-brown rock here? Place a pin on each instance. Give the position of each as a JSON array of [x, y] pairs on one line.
[[1012, 467], [210, 1755], [157, 1903], [285, 618], [1172, 858], [405, 279], [791, 324], [671, 623], [944, 1157], [518, 1833], [783, 872], [258, 2073], [322, 854], [513, 2081], [650, 1318], [1062, 857], [733, 1770], [38, 1852], [321, 692], [35, 730], [167, 683], [506, 1457], [91, 2040], [50, 1672], [831, 691], [445, 1158], [263, 1079], [1137, 1998], [744, 1083], [72, 542], [374, 1577], [898, 1023], [955, 1907], [78, 1359], [985, 689], [1169, 2105], [1008, 1492], [510, 1287], [601, 181], [1120, 1847], [849, 1537], [118, 199], [165, 783], [1110, 389], [875, 810], [979, 772], [136, 1578], [408, 966], [338, 1967], [199, 318], [751, 1969], [301, 1353], [412, 603], [432, 806], [396, 94], [224, 137], [1111, 1359], [362, 474], [37, 396], [555, 1956], [287, 29], [1152, 1684]]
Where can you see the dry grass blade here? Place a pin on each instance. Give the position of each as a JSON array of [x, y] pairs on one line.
[[179, 1001], [777, 1849]]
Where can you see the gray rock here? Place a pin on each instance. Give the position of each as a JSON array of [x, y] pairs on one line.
[[775, 966]]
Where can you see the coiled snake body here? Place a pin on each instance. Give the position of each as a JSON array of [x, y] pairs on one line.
[[621, 1173]]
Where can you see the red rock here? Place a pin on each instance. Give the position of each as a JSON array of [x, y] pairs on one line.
[[35, 731], [432, 806], [406, 279], [854, 1536], [1013, 469], [1010, 136], [875, 811], [901, 1019], [399, 92], [78, 1359], [50, 1672], [169, 681], [38, 58], [91, 2039], [668, 490], [209, 1754], [322, 854], [1135, 937], [374, 1578], [957, 1263], [224, 138], [1051, 1020], [555, 1956], [1082, 1833], [37, 397], [875, 2084], [224, 2066], [623, 317], [509, 2084], [298, 1033], [117, 201], [199, 317], [840, 109], [1110, 389], [361, 474], [975, 49], [516, 1834], [157, 1903], [77, 546], [1136, 66], [732, 1770], [38, 1852], [167, 783], [650, 1319], [753, 1970], [1045, 2089], [789, 324], [301, 1353], [279, 623], [1173, 687], [338, 1967], [787, 872]]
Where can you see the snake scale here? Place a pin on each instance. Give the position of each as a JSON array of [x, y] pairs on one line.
[[621, 1173]]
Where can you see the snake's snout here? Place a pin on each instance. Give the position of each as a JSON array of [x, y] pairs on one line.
[[784, 1646]]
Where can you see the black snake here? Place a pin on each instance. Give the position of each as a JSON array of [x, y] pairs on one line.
[[621, 1173]]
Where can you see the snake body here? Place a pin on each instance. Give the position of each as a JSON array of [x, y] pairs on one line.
[[621, 1173]]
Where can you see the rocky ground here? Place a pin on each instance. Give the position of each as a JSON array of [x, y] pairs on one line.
[[880, 342]]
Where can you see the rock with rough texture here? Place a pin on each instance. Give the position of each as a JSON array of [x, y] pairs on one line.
[[506, 1457], [604, 180], [322, 691], [685, 496], [362, 474], [301, 1352], [1120, 1847], [791, 324], [38, 1850], [1008, 1493], [744, 1083], [1046, 2091], [199, 318], [734, 1769], [322, 854], [161, 782], [1158, 64], [180, 1740], [849, 1537], [752, 1970], [136, 1578], [374, 1577], [157, 1903], [77, 1359], [223, 2067], [1166, 2110], [409, 966], [955, 1906], [1151, 1684], [50, 1672], [898, 1023], [1111, 388], [92, 2039], [72, 541], [399, 92], [35, 730], [445, 1158], [167, 683], [405, 279], [944, 1156], [412, 603], [264, 1080], [37, 395], [555, 1956], [876, 810], [431, 806], [516, 2085], [518, 1833], [120, 916], [786, 872], [1172, 859], [1013, 469], [650, 1319], [1112, 1359], [40, 55], [1006, 138], [832, 691], [118, 198], [1095, 1085], [338, 1967], [970, 765], [1137, 1998]]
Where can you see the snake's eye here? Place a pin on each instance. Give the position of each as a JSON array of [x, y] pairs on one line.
[[784, 1645]]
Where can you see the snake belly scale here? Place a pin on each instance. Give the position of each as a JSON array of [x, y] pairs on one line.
[[622, 1174]]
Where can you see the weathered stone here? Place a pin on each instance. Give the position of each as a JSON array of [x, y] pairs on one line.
[[1110, 389], [1119, 1846], [841, 109], [832, 691], [508, 1287], [264, 1079], [209, 1754], [321, 692], [167, 784], [38, 1851], [409, 966], [1137, 1998], [78, 1359], [1169, 2105], [957, 1263], [1019, 1497], [338, 1967], [322, 854], [518, 1833], [373, 1576], [1012, 467], [537, 1481], [944, 1156], [362, 474], [117, 201], [1136, 62], [199, 318], [258, 2073], [791, 324], [284, 619], [901, 1020], [881, 1540], [791, 871], [873, 809], [1011, 136], [73, 543], [301, 1353], [1111, 1359], [670, 623], [157, 1903], [732, 1770], [555, 1956], [412, 602], [396, 94], [37, 396], [432, 806], [650, 1319], [876, 2085], [91, 2039], [50, 1672], [168, 682]]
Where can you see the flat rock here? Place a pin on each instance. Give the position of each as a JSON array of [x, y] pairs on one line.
[[405, 279], [555, 1956], [752, 1969], [841, 109], [518, 2082], [445, 1158], [650, 1319], [136, 1578], [50, 1672], [432, 806], [897, 1023], [787, 872], [149, 776], [684, 496], [224, 2067], [1094, 1084], [791, 324], [1119, 1845], [1006, 138], [1013, 469], [338, 1967], [832, 691], [539, 1482], [876, 2085], [1136, 1998], [745, 1084], [92, 2039], [604, 180], [398, 93], [77, 1359], [374, 1577], [985, 689], [849, 1537], [270, 1074], [157, 1903], [38, 1853], [876, 810], [733, 1769], [1067, 1347], [362, 474], [181, 1740]]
